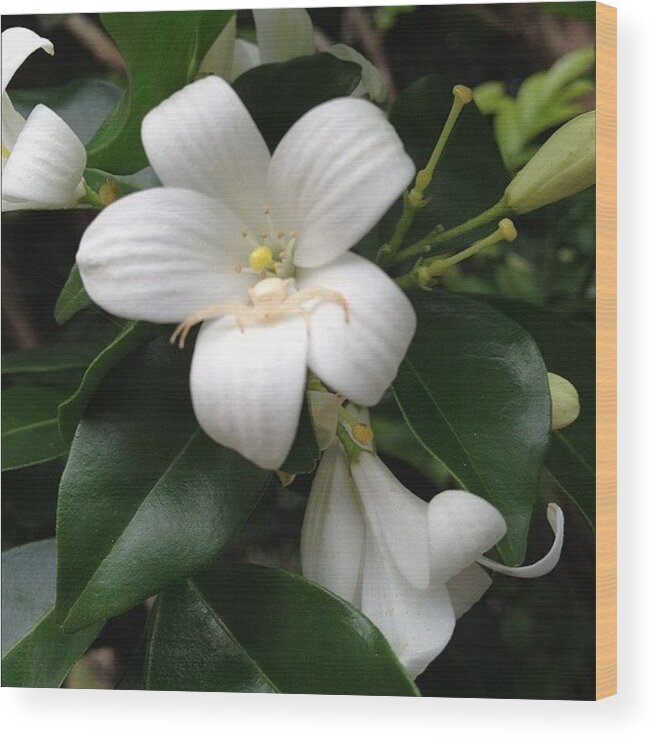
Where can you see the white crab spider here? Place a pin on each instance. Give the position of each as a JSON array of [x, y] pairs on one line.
[[270, 301]]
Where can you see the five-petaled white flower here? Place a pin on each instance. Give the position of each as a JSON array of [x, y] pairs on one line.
[[43, 161], [282, 34], [255, 245], [413, 568]]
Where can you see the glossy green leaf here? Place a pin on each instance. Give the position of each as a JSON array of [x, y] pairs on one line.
[[470, 176], [83, 104], [473, 388], [129, 335], [30, 431], [252, 628], [277, 95], [35, 651], [73, 297], [146, 498], [61, 356], [568, 349], [162, 51]]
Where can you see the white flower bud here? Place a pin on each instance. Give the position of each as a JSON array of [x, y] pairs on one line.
[[564, 165], [564, 402]]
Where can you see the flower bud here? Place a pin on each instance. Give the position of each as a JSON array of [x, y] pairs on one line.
[[564, 402], [564, 165]]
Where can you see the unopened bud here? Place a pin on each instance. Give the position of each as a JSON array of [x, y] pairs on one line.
[[564, 402], [564, 165]]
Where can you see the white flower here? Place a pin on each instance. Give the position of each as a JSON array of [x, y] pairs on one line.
[[282, 34], [256, 245], [413, 568], [42, 159]]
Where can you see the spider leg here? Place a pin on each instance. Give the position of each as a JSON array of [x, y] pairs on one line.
[[216, 310]]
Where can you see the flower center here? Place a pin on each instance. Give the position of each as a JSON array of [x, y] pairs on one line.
[[272, 250]]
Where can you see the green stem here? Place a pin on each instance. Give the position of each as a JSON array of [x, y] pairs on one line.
[[436, 236], [413, 200]]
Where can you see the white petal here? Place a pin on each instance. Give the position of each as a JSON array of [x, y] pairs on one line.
[[371, 83], [283, 34], [246, 56], [461, 527], [359, 357], [12, 125], [397, 518], [332, 538], [247, 387], [203, 138], [467, 588], [161, 254], [333, 175], [18, 44], [218, 60], [324, 412], [417, 623], [46, 163], [548, 562]]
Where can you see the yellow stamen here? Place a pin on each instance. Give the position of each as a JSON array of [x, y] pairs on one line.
[[5, 152], [261, 258]]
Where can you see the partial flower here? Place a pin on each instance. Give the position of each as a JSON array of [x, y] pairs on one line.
[[256, 246], [43, 161], [282, 34], [413, 568], [565, 406]]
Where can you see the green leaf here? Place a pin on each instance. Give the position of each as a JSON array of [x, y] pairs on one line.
[[473, 388], [304, 455], [146, 498], [470, 176], [130, 335], [252, 628], [60, 356], [162, 51], [35, 651], [72, 299], [568, 349], [83, 104], [277, 95], [30, 432]]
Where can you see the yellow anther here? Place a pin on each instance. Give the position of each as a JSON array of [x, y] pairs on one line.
[[261, 258], [463, 94], [5, 152], [363, 434], [507, 230]]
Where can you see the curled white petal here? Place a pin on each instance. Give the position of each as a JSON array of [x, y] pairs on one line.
[[333, 176], [246, 56], [417, 623], [247, 386], [46, 164], [548, 562], [283, 34], [17, 45], [202, 138], [396, 517], [371, 82], [218, 59], [467, 588], [332, 537], [358, 357], [461, 528]]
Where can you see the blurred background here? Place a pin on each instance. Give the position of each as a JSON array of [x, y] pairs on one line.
[[525, 639]]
